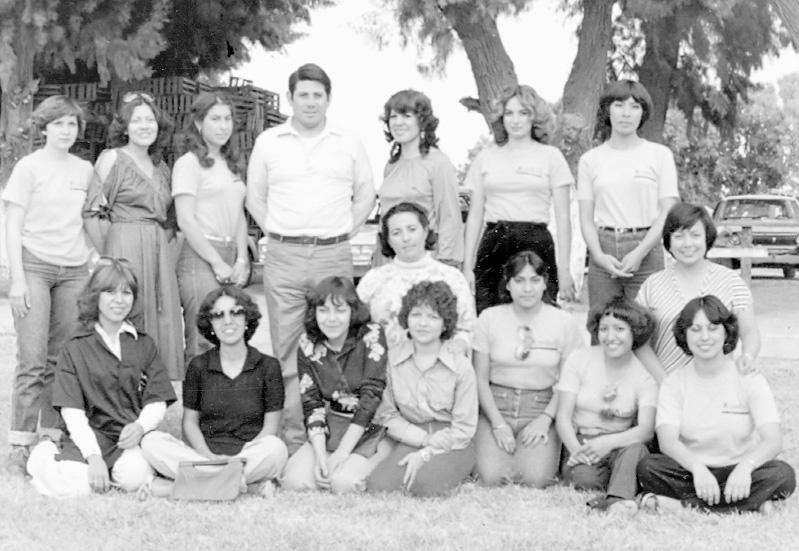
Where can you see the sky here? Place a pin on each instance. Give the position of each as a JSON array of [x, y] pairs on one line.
[[541, 42]]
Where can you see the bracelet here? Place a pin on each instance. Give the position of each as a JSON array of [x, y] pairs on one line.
[[552, 417], [752, 463], [241, 261], [426, 454], [501, 426]]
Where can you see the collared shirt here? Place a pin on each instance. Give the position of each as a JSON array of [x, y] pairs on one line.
[[112, 341], [350, 381], [112, 391], [232, 410], [445, 392], [309, 185]]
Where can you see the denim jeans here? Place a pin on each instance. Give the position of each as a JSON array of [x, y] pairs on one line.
[[536, 465], [602, 286], [614, 474], [196, 279], [53, 292]]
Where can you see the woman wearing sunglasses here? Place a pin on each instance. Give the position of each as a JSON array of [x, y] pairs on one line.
[[47, 255], [110, 387], [606, 406], [519, 348], [132, 192], [209, 199], [232, 398]]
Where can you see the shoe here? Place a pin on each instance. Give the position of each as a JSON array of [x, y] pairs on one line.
[[654, 503], [266, 489], [155, 487], [18, 461]]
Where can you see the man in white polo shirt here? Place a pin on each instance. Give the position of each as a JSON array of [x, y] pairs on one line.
[[309, 186]]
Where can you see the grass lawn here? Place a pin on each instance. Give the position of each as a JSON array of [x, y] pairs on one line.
[[474, 518]]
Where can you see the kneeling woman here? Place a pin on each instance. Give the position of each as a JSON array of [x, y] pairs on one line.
[[110, 387], [341, 363], [606, 406], [430, 404], [519, 348], [719, 430], [232, 397]]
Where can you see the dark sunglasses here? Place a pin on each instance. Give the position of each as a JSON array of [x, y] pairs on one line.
[[220, 314], [609, 395], [131, 96], [525, 335]]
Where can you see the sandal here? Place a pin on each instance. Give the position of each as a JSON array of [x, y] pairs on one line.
[[654, 503]]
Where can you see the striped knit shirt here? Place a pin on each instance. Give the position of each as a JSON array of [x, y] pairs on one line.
[[663, 297]]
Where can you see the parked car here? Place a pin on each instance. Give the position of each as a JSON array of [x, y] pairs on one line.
[[774, 220]]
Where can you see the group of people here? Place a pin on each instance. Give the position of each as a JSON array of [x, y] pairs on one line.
[[450, 359]]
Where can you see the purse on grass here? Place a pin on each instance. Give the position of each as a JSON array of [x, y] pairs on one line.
[[196, 482]]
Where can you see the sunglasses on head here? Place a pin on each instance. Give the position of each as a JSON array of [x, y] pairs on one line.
[[113, 261], [131, 96], [237, 312]]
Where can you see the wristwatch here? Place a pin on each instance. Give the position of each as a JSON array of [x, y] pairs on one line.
[[426, 454]]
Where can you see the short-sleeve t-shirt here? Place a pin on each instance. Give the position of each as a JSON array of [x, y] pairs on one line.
[[232, 410], [219, 194], [662, 297], [554, 336], [626, 184], [518, 183], [53, 194], [717, 416], [585, 375]]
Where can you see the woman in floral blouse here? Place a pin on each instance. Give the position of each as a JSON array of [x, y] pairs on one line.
[[341, 364]]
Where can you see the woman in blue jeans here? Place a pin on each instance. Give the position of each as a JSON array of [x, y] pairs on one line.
[[519, 348], [625, 188], [47, 257], [209, 198]]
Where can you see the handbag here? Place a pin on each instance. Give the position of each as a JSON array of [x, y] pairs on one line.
[[195, 482], [337, 425], [97, 212]]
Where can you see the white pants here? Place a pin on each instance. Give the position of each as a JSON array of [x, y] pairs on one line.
[[349, 477], [71, 478], [265, 456]]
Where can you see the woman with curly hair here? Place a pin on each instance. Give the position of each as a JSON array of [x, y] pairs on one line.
[[718, 429], [519, 349], [513, 185], [47, 261], [419, 172], [430, 404], [606, 406], [111, 389], [625, 189], [405, 236], [232, 398], [209, 199], [341, 364], [132, 192]]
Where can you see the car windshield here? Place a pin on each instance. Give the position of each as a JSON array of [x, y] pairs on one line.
[[757, 208]]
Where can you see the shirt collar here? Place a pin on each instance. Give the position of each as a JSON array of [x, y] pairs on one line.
[[126, 327], [287, 129], [404, 350], [215, 362]]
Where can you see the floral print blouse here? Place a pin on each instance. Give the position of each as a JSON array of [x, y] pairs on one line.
[[350, 381]]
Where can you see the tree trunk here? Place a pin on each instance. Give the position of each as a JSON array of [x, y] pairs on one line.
[[17, 102], [491, 66], [788, 11], [587, 77], [658, 70]]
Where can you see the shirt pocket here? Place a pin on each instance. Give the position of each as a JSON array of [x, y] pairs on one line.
[[333, 162], [535, 173], [646, 177], [441, 390]]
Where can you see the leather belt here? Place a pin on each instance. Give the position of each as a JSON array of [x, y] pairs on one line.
[[624, 230], [309, 239]]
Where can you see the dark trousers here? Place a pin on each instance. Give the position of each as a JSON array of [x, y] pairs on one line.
[[500, 241], [662, 475], [614, 474]]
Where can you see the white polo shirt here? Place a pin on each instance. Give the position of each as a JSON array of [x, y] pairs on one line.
[[308, 183]]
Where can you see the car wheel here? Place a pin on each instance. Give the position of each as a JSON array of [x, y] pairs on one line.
[[789, 272]]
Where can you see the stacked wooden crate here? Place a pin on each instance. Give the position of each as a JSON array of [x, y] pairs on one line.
[[255, 108]]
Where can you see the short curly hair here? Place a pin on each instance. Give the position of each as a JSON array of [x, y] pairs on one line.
[[683, 216], [641, 322], [118, 130], [543, 117], [252, 314], [338, 289], [405, 206], [411, 101], [716, 313], [109, 274], [191, 140], [436, 295]]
